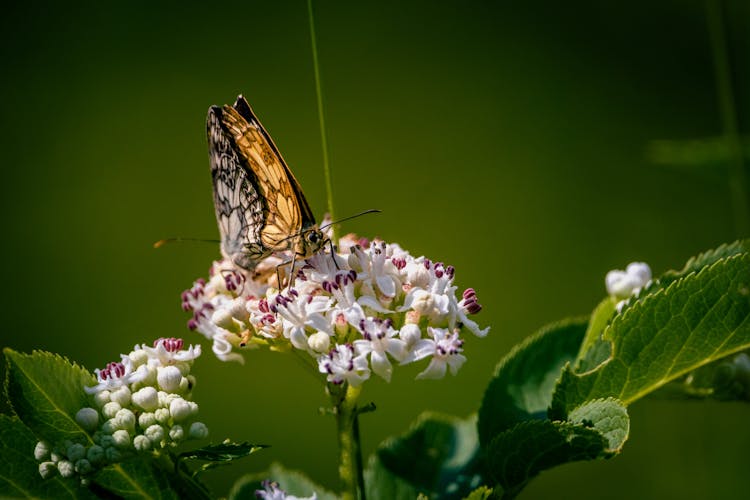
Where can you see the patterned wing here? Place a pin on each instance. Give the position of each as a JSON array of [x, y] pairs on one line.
[[240, 206], [286, 210]]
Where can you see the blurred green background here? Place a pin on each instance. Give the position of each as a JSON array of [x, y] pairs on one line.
[[509, 139]]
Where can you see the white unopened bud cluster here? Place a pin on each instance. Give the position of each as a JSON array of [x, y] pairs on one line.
[[142, 403], [621, 285]]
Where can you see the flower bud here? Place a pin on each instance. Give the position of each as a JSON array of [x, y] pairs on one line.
[[83, 466], [410, 333], [319, 342], [141, 443], [110, 426], [87, 418], [146, 419], [121, 439], [125, 419], [162, 415], [110, 409], [41, 450], [112, 454], [640, 271], [176, 433], [198, 430], [107, 441], [47, 469], [146, 398], [169, 378], [121, 395], [95, 454], [66, 468], [155, 433], [179, 409], [138, 357], [101, 398], [76, 452], [185, 386]]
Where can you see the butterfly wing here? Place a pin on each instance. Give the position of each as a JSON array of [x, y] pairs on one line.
[[286, 212], [238, 202]]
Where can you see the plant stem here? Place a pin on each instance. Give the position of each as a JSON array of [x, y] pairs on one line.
[[350, 458], [321, 117], [725, 94]]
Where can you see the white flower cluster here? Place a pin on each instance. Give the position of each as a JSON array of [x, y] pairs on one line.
[[141, 403], [271, 491], [353, 312], [622, 285]]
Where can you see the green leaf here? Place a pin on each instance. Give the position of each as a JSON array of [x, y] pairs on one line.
[[606, 416], [437, 456], [19, 470], [45, 391], [695, 264], [727, 379], [293, 482], [598, 322], [524, 380], [597, 429], [700, 318], [136, 478], [221, 454], [515, 456]]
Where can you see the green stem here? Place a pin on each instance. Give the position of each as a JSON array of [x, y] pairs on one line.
[[725, 94], [321, 117], [350, 458]]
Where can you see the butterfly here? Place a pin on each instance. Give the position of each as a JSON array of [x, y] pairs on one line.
[[260, 207]]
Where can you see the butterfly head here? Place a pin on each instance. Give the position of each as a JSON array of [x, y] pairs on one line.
[[310, 242]]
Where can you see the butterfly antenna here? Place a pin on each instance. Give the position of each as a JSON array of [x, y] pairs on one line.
[[163, 242], [370, 211]]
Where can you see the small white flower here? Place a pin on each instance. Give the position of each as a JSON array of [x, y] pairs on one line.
[[198, 430], [167, 351], [66, 468], [341, 365], [41, 450], [445, 349], [271, 491], [111, 409], [116, 375], [47, 469], [146, 398], [378, 342]]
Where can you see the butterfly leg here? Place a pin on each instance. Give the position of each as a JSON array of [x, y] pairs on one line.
[[333, 253]]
